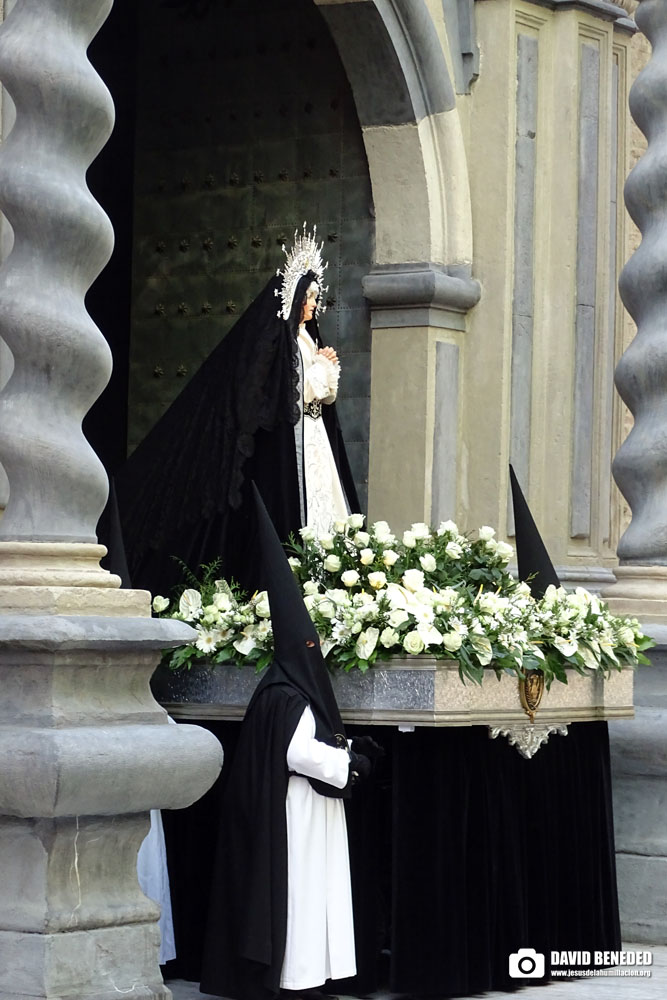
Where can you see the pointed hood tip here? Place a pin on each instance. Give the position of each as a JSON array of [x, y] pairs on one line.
[[532, 556]]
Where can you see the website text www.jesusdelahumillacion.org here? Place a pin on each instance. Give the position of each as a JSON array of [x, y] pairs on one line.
[[527, 963]]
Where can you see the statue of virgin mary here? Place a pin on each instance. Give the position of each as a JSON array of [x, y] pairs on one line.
[[261, 407]]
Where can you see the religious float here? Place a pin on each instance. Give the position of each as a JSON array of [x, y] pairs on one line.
[[462, 850]]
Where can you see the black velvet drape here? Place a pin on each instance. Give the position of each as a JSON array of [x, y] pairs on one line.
[[461, 853]]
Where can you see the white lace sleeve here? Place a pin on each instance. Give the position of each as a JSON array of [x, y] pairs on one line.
[[321, 380]]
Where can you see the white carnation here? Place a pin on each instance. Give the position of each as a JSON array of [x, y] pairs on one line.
[[389, 637]]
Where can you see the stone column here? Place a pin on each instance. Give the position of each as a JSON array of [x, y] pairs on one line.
[[640, 466], [639, 748], [86, 750]]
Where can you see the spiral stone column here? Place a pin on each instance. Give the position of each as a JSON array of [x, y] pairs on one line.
[[640, 467], [639, 747], [86, 750]]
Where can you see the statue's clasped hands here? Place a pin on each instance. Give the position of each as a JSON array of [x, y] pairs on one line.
[[328, 352]]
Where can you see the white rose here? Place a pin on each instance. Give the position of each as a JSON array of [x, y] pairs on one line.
[[262, 605], [338, 596], [452, 641], [413, 643], [366, 557], [398, 617], [160, 604], [381, 530], [486, 533], [367, 642], [453, 550], [420, 530], [389, 557], [409, 539], [350, 577], [326, 541], [377, 580], [356, 521], [307, 533], [447, 528], [361, 539], [189, 605], [310, 587], [339, 528], [504, 551], [428, 562], [413, 579], [294, 562], [332, 564]]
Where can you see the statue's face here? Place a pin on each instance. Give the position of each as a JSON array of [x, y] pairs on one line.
[[310, 302]]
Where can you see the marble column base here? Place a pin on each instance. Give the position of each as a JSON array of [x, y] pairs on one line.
[[639, 592]]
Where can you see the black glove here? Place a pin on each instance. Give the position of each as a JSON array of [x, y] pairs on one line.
[[360, 766], [367, 746]]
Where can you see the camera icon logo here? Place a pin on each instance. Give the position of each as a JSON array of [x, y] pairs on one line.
[[526, 963]]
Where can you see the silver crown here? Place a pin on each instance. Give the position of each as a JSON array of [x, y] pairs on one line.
[[305, 255]]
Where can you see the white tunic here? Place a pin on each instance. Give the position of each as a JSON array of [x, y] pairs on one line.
[[154, 882], [320, 931], [325, 500]]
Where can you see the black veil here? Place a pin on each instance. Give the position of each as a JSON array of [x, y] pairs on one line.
[[184, 492]]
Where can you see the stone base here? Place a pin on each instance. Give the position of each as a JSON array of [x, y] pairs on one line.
[[98, 964], [63, 578], [641, 897], [639, 592]]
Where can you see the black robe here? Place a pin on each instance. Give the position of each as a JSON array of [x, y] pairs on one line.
[[247, 924]]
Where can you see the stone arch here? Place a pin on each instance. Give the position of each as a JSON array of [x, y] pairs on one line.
[[411, 129]]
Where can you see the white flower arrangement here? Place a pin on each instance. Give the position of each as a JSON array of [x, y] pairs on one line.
[[437, 592]]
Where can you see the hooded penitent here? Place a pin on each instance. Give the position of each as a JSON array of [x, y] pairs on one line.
[[535, 566], [247, 924], [185, 491]]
